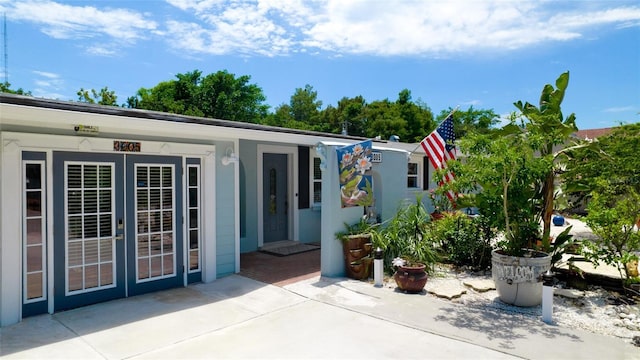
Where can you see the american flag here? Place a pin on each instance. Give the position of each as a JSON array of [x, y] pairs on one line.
[[439, 148]]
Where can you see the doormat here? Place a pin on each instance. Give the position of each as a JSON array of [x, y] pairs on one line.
[[291, 249]]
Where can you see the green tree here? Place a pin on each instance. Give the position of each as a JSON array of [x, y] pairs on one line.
[[418, 117], [383, 118], [226, 97], [472, 120], [302, 112], [281, 117], [611, 216], [220, 95], [605, 173], [547, 129], [501, 176], [102, 97], [349, 115], [612, 158], [5, 87], [305, 106]]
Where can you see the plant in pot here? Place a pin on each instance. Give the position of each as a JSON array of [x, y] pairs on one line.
[[501, 177], [509, 176], [441, 204], [357, 248], [409, 249]]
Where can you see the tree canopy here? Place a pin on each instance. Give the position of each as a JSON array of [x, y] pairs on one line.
[[103, 97], [610, 161], [223, 95], [220, 95], [5, 87]]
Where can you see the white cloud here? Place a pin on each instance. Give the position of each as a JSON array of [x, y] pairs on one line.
[[333, 27], [619, 109], [46, 74], [62, 21], [393, 27], [47, 84], [265, 28], [474, 102]]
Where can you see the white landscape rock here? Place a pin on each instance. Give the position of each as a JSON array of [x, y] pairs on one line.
[[588, 310], [569, 293], [479, 284], [445, 288]]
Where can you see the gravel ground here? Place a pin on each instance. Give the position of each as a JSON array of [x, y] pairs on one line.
[[596, 310]]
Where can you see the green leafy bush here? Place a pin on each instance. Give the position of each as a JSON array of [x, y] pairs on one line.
[[465, 241], [612, 216]]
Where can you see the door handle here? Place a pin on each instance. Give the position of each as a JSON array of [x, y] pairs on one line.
[[119, 237]]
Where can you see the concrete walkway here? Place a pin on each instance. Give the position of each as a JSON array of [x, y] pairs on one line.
[[236, 317]]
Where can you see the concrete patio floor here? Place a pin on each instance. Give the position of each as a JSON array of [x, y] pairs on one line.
[[237, 317]]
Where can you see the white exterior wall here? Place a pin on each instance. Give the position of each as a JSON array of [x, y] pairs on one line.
[[48, 129], [10, 231]]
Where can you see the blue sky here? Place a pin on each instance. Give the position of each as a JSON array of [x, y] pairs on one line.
[[488, 54]]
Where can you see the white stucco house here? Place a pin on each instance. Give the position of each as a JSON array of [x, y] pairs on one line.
[[100, 203]]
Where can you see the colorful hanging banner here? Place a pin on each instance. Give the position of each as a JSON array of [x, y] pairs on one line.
[[353, 163]]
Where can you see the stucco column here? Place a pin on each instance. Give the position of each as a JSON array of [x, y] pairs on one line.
[[333, 215], [10, 235]]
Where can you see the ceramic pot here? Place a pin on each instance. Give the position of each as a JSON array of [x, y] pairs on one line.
[[558, 220], [411, 279]]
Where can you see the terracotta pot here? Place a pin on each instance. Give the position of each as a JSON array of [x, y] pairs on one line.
[[358, 263], [436, 216], [411, 279]]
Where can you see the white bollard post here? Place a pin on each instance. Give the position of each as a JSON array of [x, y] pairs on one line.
[[547, 297], [378, 268]]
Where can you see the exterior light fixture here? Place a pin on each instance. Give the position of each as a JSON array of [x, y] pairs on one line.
[[229, 157]]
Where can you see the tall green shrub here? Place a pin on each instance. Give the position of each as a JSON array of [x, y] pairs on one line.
[[465, 241]]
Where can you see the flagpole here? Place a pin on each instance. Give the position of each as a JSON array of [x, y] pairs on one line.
[[451, 113]]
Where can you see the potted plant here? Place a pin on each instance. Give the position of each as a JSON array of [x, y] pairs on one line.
[[516, 265], [509, 176], [440, 203], [357, 248], [410, 276], [409, 249], [501, 176]]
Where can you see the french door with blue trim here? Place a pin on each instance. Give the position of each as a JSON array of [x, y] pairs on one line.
[[117, 226]]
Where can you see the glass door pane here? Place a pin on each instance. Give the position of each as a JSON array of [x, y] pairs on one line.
[[89, 226], [155, 221]]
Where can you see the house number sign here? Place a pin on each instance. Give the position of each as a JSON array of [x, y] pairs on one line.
[[126, 146]]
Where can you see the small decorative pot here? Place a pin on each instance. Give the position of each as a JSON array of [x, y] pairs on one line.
[[411, 279]]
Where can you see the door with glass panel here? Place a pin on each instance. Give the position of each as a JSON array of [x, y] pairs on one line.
[[154, 214], [275, 198], [116, 226], [88, 215]]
